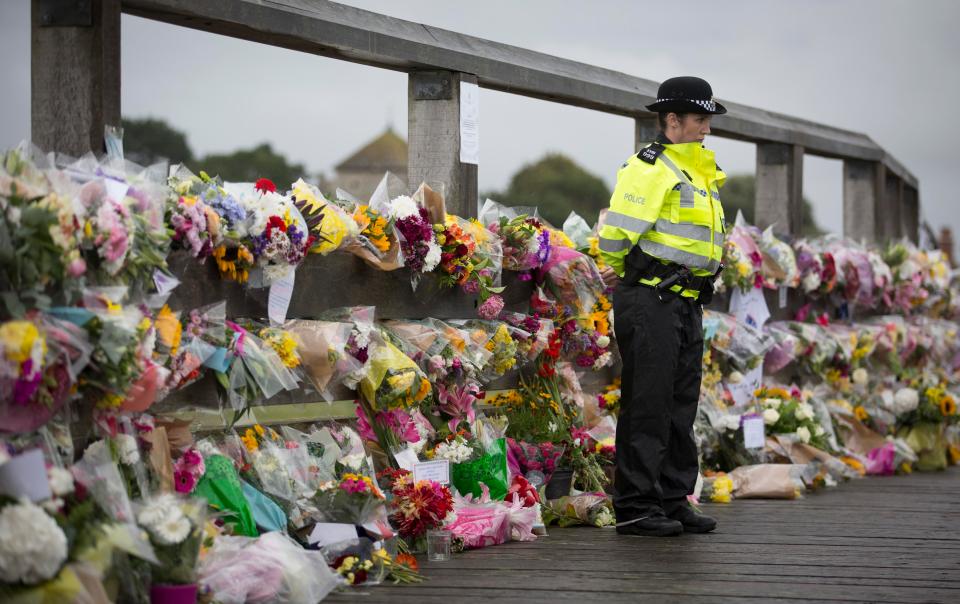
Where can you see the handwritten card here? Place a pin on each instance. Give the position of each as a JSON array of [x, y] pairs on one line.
[[437, 471]]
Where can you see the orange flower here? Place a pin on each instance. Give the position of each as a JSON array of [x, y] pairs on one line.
[[861, 413], [169, 329], [407, 560]]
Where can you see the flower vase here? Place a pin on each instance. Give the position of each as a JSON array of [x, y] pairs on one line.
[[173, 594], [560, 484], [418, 545]]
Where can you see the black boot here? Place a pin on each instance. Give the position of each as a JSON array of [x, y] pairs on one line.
[[654, 525], [692, 521]]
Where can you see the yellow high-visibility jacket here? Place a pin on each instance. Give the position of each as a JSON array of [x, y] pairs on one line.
[[667, 202]]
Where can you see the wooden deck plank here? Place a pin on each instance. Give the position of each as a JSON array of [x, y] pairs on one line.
[[874, 540]]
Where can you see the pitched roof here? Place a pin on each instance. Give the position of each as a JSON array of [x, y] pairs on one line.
[[386, 152]]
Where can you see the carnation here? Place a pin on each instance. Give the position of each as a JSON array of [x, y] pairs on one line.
[[432, 257], [61, 481], [403, 207], [491, 309], [32, 546], [127, 449]]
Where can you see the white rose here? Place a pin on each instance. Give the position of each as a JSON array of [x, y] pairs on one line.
[[906, 400], [860, 376], [61, 481], [818, 430], [32, 546], [603, 341], [803, 433], [735, 378], [804, 411], [811, 281], [773, 403], [770, 416], [730, 422]]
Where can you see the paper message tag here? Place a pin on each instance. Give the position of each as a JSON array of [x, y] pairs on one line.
[[753, 436], [116, 190], [437, 471], [742, 393], [281, 291], [406, 459], [328, 533], [25, 476], [750, 307], [782, 296]]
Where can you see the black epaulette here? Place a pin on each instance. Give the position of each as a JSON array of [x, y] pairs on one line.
[[650, 153]]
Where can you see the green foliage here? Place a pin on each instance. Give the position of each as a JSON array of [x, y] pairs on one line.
[[247, 165], [740, 193], [148, 140], [556, 185]]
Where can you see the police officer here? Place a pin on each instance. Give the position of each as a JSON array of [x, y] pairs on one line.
[[663, 241]]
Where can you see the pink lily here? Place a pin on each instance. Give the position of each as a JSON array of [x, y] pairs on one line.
[[457, 402]]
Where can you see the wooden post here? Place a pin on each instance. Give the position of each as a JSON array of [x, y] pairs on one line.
[[646, 130], [862, 199], [910, 213], [891, 227], [434, 139], [75, 73], [780, 187]]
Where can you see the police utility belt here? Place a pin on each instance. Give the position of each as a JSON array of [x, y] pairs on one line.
[[668, 280]]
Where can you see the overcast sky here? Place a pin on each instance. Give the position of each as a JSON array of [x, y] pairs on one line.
[[884, 68]]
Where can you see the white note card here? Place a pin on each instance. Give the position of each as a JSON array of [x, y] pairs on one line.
[[406, 459], [742, 392], [25, 476], [750, 307], [753, 436], [437, 471], [469, 123]]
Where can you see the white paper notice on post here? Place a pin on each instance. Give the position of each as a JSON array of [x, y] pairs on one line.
[[753, 436], [469, 123]]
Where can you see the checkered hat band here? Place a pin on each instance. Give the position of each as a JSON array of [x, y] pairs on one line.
[[708, 105]]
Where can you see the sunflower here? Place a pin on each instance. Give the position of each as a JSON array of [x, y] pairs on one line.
[[948, 406], [861, 413]]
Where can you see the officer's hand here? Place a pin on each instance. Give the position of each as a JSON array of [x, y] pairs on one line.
[[610, 278]]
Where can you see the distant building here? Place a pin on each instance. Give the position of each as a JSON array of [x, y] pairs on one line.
[[360, 173]]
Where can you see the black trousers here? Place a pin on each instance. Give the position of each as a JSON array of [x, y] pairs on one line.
[[661, 343]]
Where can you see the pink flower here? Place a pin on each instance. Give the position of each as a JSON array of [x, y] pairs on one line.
[[491, 309], [77, 267], [184, 481], [471, 287], [192, 459], [457, 402]]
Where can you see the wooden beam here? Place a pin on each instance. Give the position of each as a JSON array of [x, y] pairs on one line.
[[433, 135], [862, 196], [75, 74], [343, 32], [780, 187]]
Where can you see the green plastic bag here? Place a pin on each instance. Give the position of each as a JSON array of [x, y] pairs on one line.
[[928, 441], [491, 470], [220, 486]]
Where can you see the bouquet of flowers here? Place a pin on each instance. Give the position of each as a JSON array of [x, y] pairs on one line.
[[779, 265], [392, 380], [333, 227], [742, 258], [535, 461], [256, 371], [471, 259], [572, 282], [353, 499], [322, 348], [419, 250], [418, 506], [176, 527], [786, 412], [196, 226]]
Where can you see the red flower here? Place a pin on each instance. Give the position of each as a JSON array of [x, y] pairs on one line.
[[462, 250], [275, 222], [265, 185]]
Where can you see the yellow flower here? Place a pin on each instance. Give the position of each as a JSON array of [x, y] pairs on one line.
[[259, 429], [110, 401], [855, 464], [169, 329], [948, 406], [954, 452], [18, 338], [906, 468], [861, 413]]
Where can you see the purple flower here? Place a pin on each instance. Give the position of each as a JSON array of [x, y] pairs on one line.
[[471, 287]]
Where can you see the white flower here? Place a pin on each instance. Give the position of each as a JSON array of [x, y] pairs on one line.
[[770, 416], [818, 430], [811, 281], [773, 403], [906, 400], [127, 449], [97, 452], [735, 378], [454, 452], [860, 376], [432, 258], [403, 207], [354, 462], [804, 411], [52, 506], [603, 341], [172, 531], [730, 422], [158, 510], [803, 433], [13, 215], [32, 546], [602, 361], [61, 481]]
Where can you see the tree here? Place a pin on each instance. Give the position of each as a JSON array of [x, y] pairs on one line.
[[740, 193], [556, 185], [247, 165], [148, 140]]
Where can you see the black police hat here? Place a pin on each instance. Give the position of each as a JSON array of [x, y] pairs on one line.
[[686, 94]]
